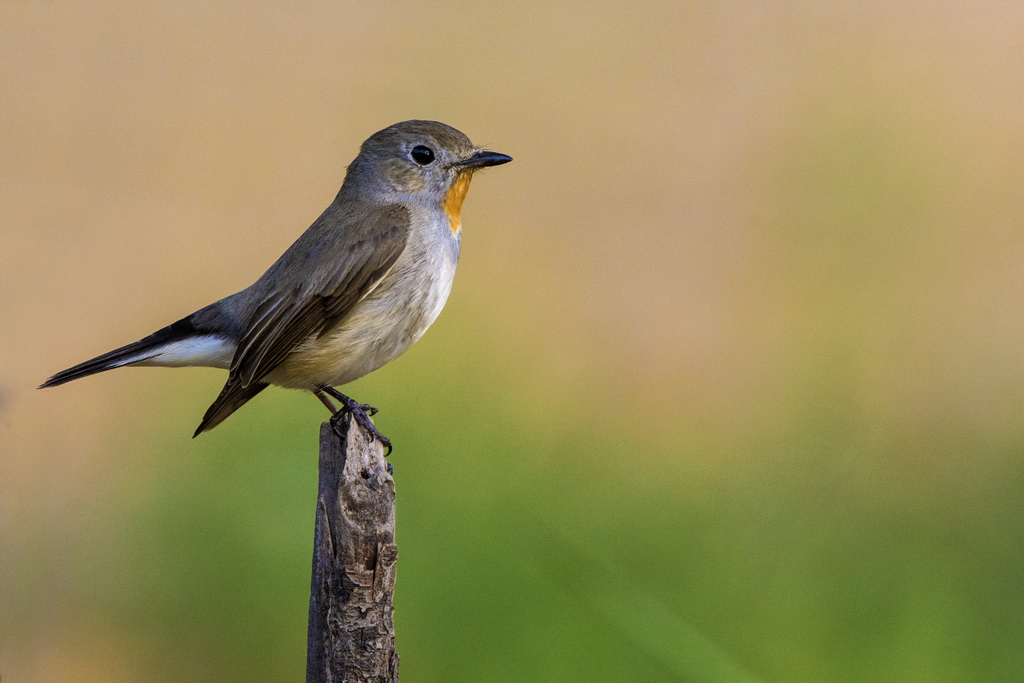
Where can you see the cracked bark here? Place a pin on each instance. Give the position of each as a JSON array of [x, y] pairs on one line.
[[351, 635]]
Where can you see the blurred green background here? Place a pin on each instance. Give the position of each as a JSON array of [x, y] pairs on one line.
[[729, 387]]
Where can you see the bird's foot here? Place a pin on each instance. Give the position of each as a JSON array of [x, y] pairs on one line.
[[361, 413]]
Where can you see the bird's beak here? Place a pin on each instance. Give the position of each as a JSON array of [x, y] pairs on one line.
[[483, 159]]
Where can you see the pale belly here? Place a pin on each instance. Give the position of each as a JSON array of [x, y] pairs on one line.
[[379, 329]]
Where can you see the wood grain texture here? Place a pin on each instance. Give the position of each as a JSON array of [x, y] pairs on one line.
[[351, 635]]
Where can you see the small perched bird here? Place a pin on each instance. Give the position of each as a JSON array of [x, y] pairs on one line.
[[354, 292]]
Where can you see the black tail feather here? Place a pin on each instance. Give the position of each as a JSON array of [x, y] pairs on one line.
[[232, 397], [116, 358]]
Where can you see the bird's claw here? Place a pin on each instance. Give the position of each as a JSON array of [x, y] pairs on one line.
[[361, 413]]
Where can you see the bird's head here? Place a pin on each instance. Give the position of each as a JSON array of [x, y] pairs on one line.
[[419, 162]]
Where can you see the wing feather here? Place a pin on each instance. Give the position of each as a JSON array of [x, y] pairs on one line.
[[299, 304], [292, 317]]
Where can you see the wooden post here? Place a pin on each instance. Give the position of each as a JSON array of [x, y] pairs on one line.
[[351, 635]]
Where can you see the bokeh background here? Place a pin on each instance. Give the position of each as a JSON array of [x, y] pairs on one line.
[[729, 387]]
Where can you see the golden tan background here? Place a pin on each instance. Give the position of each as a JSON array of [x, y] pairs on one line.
[[729, 387]]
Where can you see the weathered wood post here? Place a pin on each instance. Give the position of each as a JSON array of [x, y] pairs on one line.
[[351, 635]]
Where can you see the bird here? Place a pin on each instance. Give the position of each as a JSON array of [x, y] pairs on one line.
[[352, 293]]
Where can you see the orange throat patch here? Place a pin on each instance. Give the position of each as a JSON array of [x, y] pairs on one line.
[[453, 201]]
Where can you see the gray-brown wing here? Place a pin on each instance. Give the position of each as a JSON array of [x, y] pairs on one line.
[[286, 318], [298, 303]]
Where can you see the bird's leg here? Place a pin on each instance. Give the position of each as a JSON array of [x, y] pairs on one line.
[[360, 412], [326, 401], [348, 403]]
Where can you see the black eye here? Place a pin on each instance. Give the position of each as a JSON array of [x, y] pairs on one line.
[[422, 155]]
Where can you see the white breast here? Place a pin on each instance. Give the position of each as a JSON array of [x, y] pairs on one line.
[[386, 322]]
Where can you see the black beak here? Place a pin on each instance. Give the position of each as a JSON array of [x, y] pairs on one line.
[[484, 159]]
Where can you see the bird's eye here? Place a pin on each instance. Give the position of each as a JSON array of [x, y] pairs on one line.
[[423, 156]]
